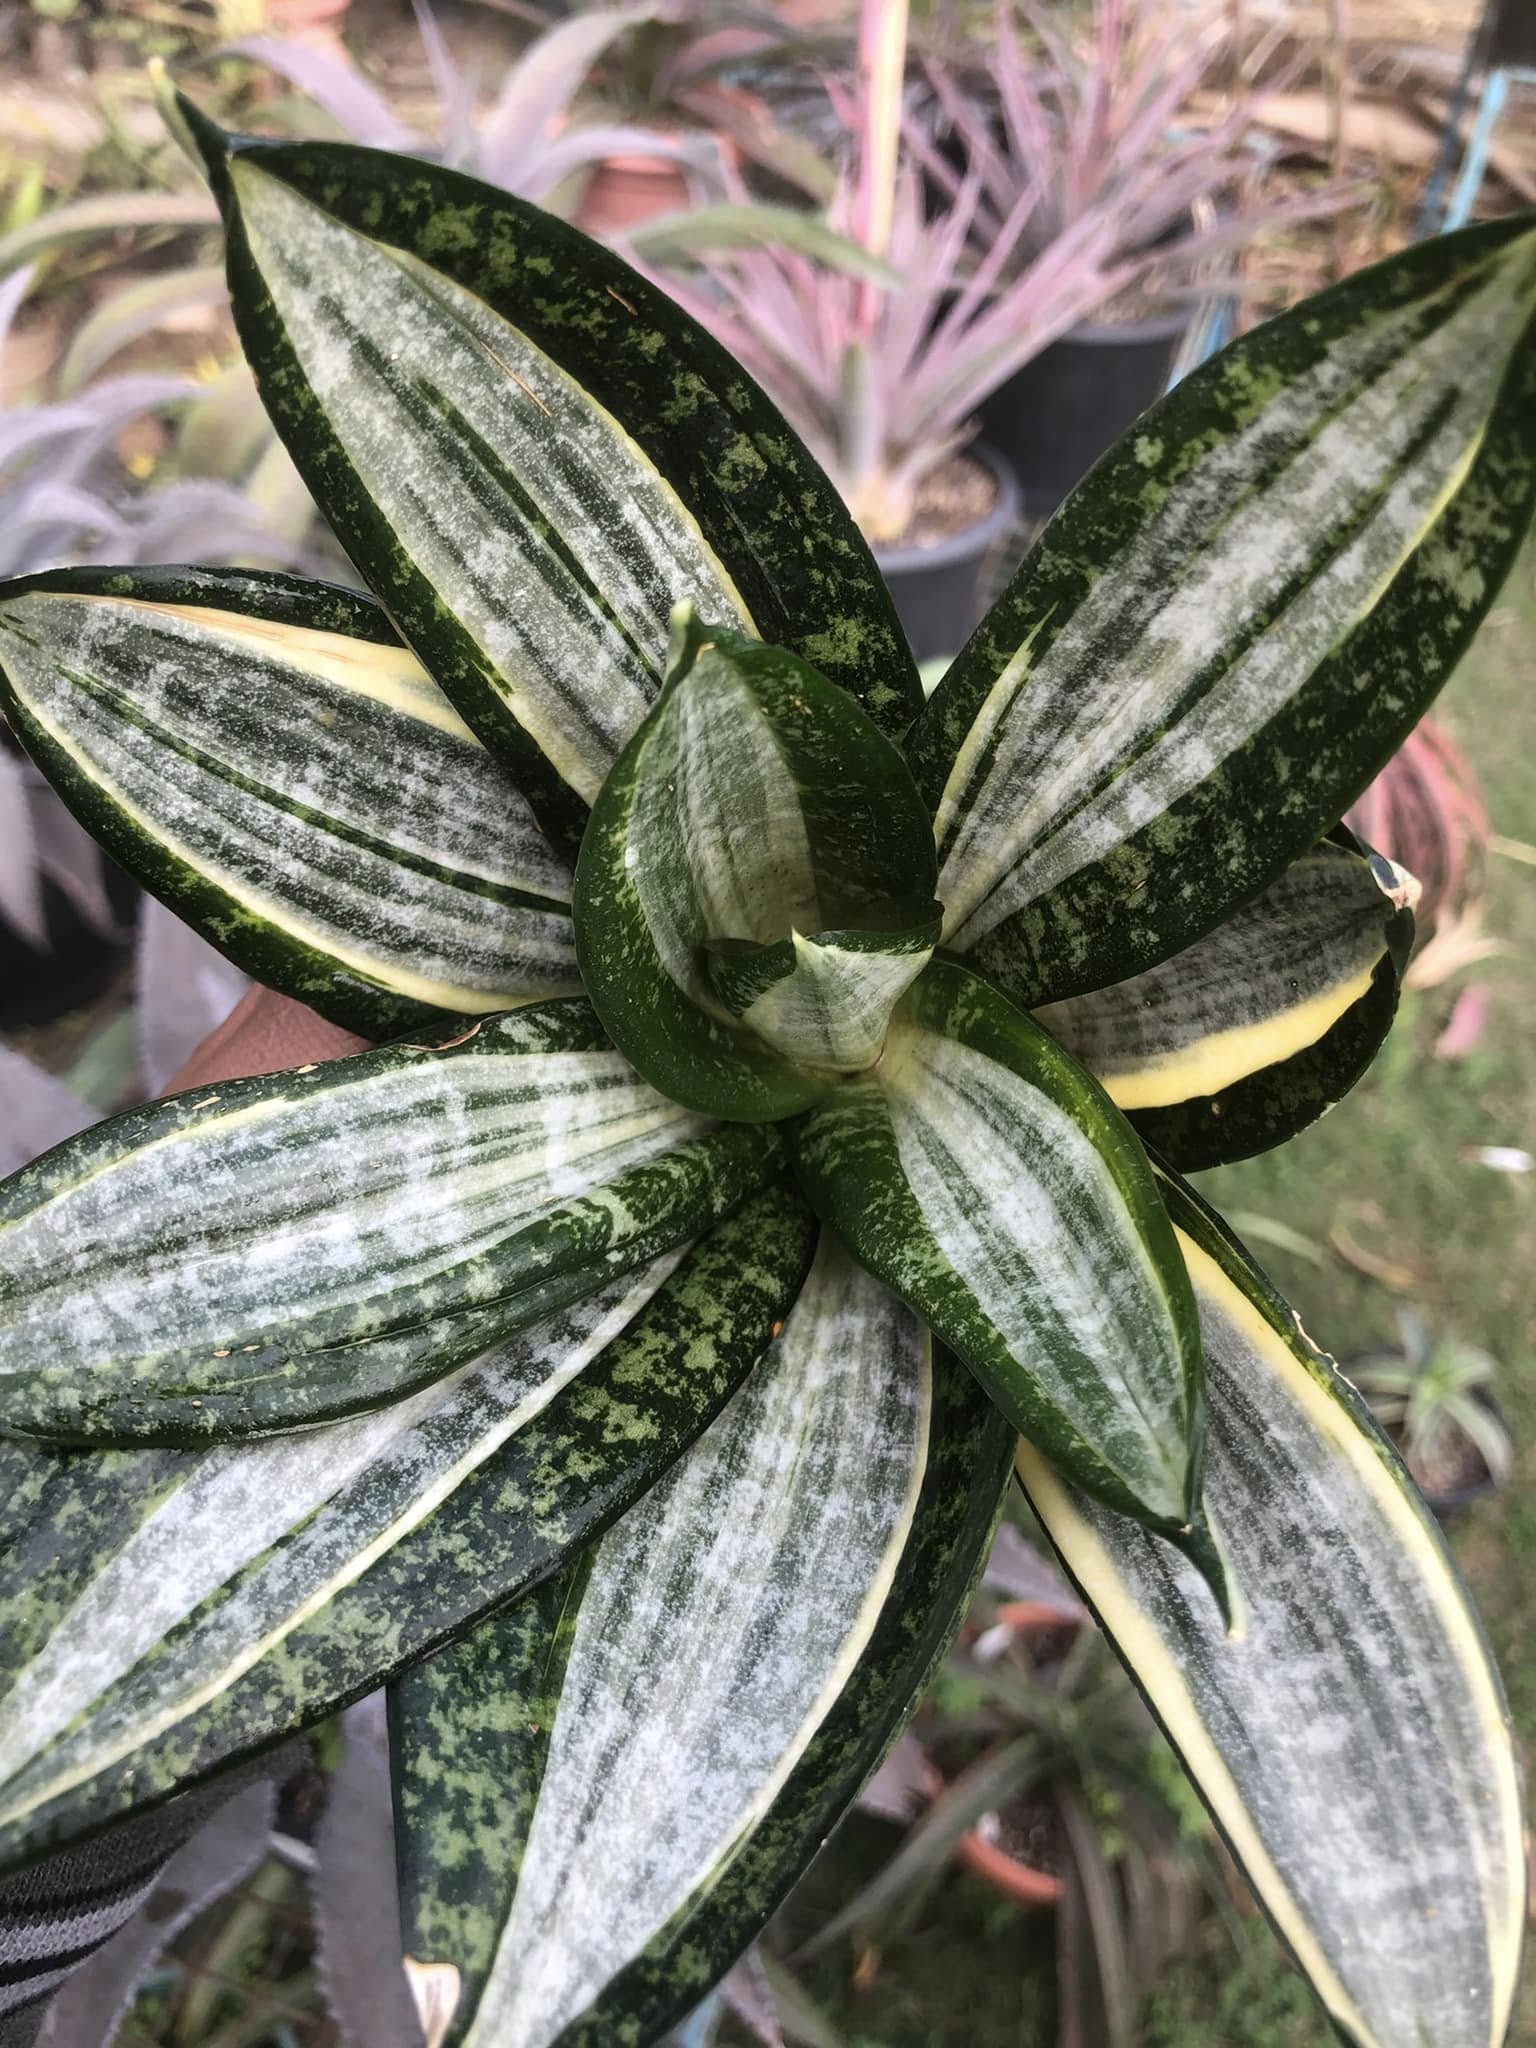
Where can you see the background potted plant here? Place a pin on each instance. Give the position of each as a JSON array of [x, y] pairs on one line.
[[883, 374], [1433, 1394], [66, 912], [1035, 1767], [1061, 139]]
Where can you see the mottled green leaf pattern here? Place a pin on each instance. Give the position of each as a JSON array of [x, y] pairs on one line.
[[753, 1663], [755, 890], [1245, 1037], [735, 514], [982, 1174], [476, 1490], [520, 1151], [1353, 1747], [1230, 626], [264, 756]]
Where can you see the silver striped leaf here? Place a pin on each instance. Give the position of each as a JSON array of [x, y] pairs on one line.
[[266, 758], [270, 1252], [755, 889], [591, 1833], [168, 1610], [1353, 1746], [1244, 1038], [531, 453], [1235, 620], [982, 1174]]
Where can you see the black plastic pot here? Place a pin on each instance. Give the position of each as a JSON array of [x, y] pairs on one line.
[[938, 590], [1054, 418], [37, 987], [1456, 1499]]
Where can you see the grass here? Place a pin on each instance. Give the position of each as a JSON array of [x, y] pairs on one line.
[[1392, 1170]]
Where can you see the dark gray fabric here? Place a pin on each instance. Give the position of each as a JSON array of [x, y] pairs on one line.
[[60, 1910]]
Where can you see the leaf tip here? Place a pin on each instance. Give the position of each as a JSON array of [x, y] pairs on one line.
[[1202, 1546], [202, 141]]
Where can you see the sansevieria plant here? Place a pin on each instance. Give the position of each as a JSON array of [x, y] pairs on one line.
[[778, 1140]]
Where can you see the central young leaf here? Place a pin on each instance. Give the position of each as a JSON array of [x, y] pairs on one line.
[[986, 1178], [755, 890]]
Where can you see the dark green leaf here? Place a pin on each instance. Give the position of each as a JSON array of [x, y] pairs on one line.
[[277, 1251], [265, 757], [986, 1177], [1236, 619], [531, 454], [603, 1796], [755, 889], [1247, 1036], [1353, 1744], [168, 1610]]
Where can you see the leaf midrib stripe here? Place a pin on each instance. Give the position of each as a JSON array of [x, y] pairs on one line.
[[117, 699], [492, 477], [1202, 682], [1200, 685]]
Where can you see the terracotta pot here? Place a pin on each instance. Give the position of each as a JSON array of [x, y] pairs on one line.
[[625, 191], [316, 24], [1005, 1873]]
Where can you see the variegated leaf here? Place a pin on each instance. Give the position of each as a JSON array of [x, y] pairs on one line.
[[591, 1832], [755, 890], [1353, 1747], [165, 1610], [1235, 620], [1244, 1038], [266, 758], [531, 454], [274, 1251], [984, 1175]]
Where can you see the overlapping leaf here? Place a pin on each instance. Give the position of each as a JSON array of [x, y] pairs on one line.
[[1244, 1038], [1232, 623], [351, 1230], [591, 1832], [169, 1609], [264, 756], [755, 889], [1353, 1747], [982, 1174], [531, 454]]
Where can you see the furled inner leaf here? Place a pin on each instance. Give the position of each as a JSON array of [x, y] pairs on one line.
[[549, 538], [308, 797], [1354, 1747], [1235, 620], [757, 880]]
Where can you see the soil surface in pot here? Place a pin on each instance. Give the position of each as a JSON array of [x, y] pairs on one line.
[[950, 499], [1027, 1832]]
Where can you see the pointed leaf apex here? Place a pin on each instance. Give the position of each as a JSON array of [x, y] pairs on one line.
[[1202, 1546], [205, 144]]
